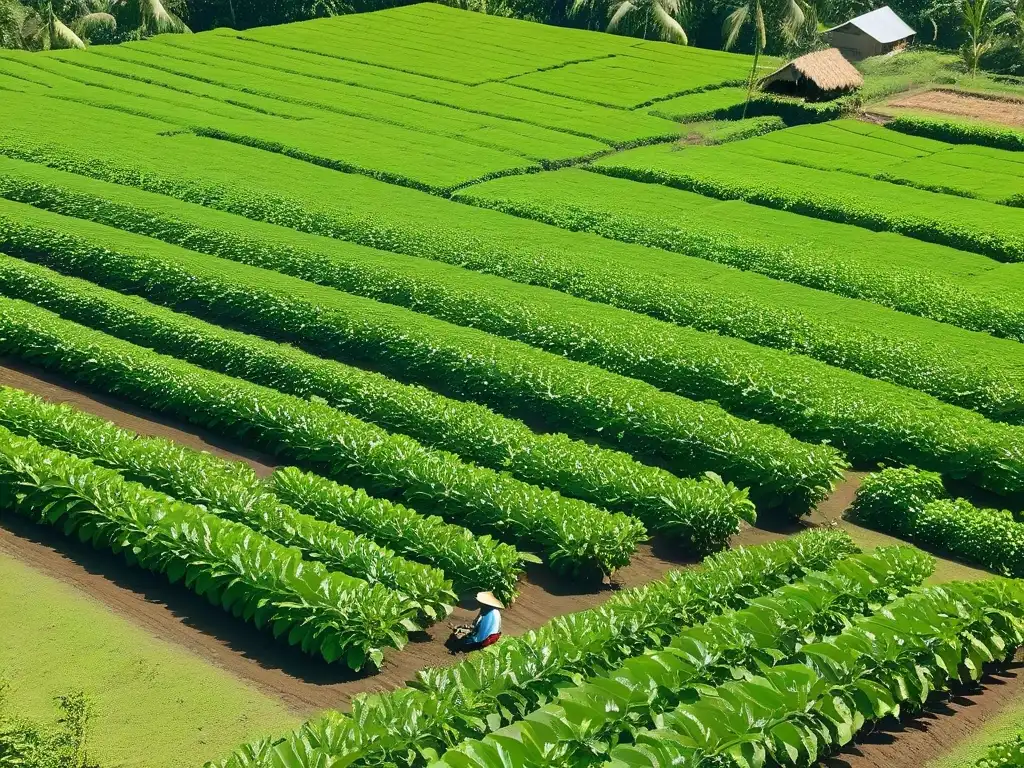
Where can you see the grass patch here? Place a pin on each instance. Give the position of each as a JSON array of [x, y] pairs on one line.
[[157, 706], [1004, 727]]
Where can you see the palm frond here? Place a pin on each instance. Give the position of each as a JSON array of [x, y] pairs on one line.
[[621, 10], [63, 35], [671, 29], [734, 24], [792, 18]]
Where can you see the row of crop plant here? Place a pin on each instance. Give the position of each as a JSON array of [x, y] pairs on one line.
[[817, 658], [809, 400], [869, 340], [443, 706], [971, 225], [916, 506]]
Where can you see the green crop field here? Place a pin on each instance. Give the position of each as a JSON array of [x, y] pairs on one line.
[[309, 333]]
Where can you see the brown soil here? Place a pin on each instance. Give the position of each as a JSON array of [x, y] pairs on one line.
[[961, 105], [915, 741]]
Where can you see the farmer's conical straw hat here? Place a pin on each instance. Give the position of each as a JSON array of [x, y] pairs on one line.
[[488, 599]]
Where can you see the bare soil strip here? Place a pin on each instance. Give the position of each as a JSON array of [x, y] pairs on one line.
[[963, 105]]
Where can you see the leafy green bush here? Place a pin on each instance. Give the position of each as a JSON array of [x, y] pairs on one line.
[[1006, 754], [800, 709], [24, 744], [232, 491], [589, 719], [472, 562], [503, 682], [959, 131], [327, 614], [913, 505], [511, 377], [971, 225], [700, 514], [574, 536]]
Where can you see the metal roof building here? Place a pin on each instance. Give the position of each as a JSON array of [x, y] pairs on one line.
[[871, 34]]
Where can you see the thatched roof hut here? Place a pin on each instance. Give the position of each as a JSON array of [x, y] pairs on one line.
[[816, 76]]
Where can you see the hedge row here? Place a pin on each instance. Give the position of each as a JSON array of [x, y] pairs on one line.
[[590, 718], [913, 505], [256, 579], [508, 376], [960, 368], [490, 688], [701, 514], [228, 490], [970, 225], [574, 536], [959, 131]]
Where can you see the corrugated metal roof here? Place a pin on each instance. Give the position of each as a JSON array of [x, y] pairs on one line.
[[882, 24]]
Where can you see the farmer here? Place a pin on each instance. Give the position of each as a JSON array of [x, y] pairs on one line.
[[486, 630]]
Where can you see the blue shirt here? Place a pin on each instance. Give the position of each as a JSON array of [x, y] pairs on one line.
[[486, 625]]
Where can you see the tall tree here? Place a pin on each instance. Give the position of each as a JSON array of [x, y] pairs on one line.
[[643, 17], [786, 16]]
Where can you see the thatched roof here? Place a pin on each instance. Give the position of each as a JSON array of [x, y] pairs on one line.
[[827, 69]]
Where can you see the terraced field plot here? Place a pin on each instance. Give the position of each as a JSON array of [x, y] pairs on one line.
[[353, 318]]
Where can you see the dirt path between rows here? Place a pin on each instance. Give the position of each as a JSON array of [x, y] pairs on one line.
[[945, 102]]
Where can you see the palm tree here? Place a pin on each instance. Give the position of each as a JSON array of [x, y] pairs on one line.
[[658, 16], [981, 31], [12, 24], [45, 24], [146, 17], [787, 14]]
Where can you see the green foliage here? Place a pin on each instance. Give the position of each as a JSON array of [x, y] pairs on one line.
[[700, 514], [1007, 754], [28, 745], [873, 151], [574, 537], [722, 132], [914, 505], [889, 663], [640, 76], [899, 351], [326, 614], [229, 490], [959, 131], [971, 225], [591, 718], [511, 377], [446, 705], [474, 563]]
